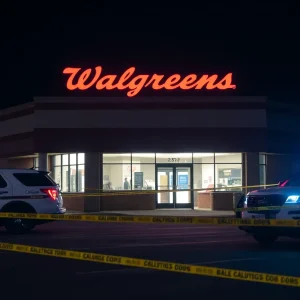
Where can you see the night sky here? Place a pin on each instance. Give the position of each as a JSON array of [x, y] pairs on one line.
[[258, 44]]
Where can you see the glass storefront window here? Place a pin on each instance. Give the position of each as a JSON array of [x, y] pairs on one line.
[[203, 158], [228, 177], [210, 170], [143, 158], [225, 158], [68, 173], [65, 159], [136, 171], [126, 171], [174, 158], [143, 176], [113, 158], [80, 178], [80, 158], [65, 179], [57, 175], [117, 177], [57, 160], [36, 163], [73, 159], [204, 176], [73, 175]]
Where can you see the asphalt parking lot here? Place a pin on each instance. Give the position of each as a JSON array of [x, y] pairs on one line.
[[226, 247]]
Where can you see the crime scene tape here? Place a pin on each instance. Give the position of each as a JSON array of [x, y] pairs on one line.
[[263, 208], [156, 265], [202, 189], [142, 192], [156, 219]]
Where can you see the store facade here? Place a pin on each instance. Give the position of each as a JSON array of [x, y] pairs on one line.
[[211, 145]]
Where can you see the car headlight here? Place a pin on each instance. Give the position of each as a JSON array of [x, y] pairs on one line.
[[292, 199]]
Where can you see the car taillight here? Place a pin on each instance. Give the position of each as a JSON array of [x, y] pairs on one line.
[[53, 193]]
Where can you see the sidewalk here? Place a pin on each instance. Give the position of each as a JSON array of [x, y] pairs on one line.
[[164, 212]]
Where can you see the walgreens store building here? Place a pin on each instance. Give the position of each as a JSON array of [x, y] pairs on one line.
[[119, 144]]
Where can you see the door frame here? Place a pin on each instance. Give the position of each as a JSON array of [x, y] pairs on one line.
[[174, 204]]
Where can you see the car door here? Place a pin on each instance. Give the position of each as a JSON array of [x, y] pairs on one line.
[[5, 191]]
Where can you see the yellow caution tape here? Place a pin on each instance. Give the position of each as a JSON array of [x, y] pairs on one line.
[[143, 192], [156, 265], [156, 219], [291, 207]]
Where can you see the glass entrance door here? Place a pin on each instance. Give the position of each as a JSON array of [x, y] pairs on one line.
[[165, 183], [173, 183]]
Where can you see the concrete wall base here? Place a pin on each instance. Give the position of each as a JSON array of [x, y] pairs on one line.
[[74, 202], [218, 200], [128, 202]]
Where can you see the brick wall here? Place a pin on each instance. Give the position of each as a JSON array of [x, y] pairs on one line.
[[222, 200], [127, 202], [204, 201], [74, 202], [4, 163], [25, 162], [218, 200], [50, 163]]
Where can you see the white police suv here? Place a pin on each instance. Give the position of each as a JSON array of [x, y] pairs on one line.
[[286, 201], [28, 191]]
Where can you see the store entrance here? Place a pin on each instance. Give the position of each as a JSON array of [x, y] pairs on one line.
[[175, 180]]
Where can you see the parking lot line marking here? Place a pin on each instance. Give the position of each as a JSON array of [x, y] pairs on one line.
[[135, 245], [155, 245], [169, 236], [226, 261], [149, 270], [234, 274], [114, 271]]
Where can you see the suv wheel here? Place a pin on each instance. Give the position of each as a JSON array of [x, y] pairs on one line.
[[265, 240], [19, 226]]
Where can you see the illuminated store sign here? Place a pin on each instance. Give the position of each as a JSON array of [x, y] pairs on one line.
[[135, 83]]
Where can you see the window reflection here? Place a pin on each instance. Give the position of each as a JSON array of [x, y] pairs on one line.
[[68, 171]]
